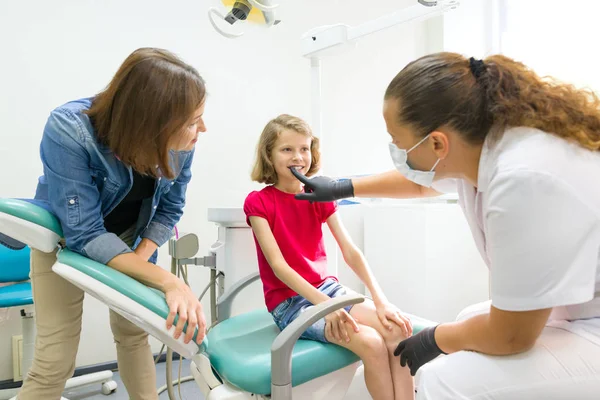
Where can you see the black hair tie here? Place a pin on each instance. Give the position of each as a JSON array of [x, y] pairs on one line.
[[477, 67]]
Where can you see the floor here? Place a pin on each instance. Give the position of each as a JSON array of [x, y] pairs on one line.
[[189, 390]]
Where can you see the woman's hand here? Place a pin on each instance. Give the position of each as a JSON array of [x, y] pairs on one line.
[[335, 325], [183, 302], [389, 313], [418, 350], [323, 188]]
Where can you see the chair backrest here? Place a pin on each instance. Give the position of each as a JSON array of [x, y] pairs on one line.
[[14, 264]]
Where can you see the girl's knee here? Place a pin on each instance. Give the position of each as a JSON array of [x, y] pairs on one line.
[[371, 344], [393, 337]]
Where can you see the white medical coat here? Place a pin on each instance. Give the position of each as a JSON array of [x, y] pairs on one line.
[[535, 218]]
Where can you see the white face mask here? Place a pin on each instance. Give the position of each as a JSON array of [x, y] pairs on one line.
[[400, 158]]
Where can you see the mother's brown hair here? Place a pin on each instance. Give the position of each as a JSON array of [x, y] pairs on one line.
[[475, 99], [147, 104]]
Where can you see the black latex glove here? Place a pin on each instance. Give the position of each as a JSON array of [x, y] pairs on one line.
[[322, 188], [418, 350]]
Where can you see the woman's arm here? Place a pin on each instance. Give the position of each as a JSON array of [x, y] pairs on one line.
[[170, 206], [146, 248], [496, 333], [391, 184], [140, 269], [388, 184]]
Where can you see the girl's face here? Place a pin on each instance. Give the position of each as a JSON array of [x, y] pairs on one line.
[[187, 139], [292, 149]]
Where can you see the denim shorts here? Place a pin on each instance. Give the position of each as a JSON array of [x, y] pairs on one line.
[[288, 310]]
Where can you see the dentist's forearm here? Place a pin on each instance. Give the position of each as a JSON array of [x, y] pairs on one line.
[[475, 334], [390, 184]]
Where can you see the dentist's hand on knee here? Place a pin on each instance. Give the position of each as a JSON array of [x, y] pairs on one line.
[[322, 188], [418, 350], [337, 324], [183, 302]]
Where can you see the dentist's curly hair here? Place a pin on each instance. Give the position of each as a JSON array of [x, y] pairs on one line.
[[477, 99], [263, 170]]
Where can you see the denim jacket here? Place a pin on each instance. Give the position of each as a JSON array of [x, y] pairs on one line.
[[83, 182]]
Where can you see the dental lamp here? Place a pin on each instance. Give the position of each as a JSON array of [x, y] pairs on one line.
[[251, 11]]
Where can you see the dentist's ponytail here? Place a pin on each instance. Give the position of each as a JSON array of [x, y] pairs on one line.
[[482, 97]]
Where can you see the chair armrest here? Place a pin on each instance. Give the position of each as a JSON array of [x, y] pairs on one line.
[[283, 345], [226, 300]]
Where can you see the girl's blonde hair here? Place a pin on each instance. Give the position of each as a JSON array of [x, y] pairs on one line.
[[263, 170]]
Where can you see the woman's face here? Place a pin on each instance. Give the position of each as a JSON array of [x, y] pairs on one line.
[[187, 139], [422, 157]]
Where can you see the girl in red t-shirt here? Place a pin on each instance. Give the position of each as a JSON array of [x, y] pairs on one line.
[[293, 264]]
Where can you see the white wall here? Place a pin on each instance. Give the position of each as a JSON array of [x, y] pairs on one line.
[[426, 263], [552, 37], [473, 28], [53, 52], [555, 39]]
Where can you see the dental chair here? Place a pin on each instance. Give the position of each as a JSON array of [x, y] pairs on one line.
[[15, 222], [242, 357]]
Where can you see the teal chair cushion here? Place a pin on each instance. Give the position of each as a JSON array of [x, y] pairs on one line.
[[16, 295], [32, 213], [14, 264], [240, 351], [152, 299]]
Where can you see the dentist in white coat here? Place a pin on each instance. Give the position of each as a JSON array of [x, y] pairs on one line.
[[524, 155]]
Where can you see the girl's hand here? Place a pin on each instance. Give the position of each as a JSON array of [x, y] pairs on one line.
[[183, 302], [389, 313], [335, 325]]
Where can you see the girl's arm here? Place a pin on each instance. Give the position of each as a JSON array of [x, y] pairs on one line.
[[357, 262], [354, 258], [336, 321], [280, 267]]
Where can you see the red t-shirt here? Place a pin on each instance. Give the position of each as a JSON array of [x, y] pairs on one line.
[[297, 227]]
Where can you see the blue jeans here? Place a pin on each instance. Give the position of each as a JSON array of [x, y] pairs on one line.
[[289, 309]]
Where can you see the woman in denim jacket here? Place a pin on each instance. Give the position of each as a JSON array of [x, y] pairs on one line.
[[116, 168]]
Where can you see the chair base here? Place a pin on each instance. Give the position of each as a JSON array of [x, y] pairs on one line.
[[29, 331], [102, 377], [333, 386]]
